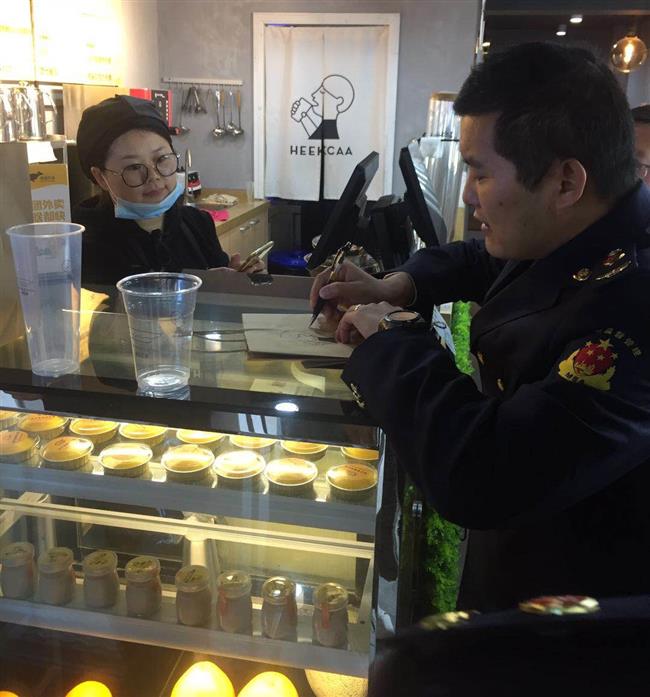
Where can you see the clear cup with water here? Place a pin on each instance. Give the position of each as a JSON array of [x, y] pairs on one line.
[[160, 311], [47, 259]]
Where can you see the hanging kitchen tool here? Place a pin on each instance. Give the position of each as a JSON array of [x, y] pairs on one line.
[[230, 126], [238, 130], [218, 131], [180, 130], [188, 164], [198, 107]]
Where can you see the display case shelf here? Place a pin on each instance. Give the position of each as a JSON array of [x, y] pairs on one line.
[[334, 515], [164, 630]]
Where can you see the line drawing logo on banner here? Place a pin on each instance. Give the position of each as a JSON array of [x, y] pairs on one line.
[[319, 117]]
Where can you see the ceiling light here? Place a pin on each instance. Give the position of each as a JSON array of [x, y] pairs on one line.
[[628, 54], [576, 19], [561, 30]]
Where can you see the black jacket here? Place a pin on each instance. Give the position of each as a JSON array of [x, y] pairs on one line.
[[114, 248], [550, 464]]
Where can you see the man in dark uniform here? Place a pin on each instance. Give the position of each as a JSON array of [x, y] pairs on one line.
[[548, 465]]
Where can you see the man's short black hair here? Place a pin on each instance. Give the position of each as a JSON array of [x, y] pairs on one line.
[[641, 114], [555, 102]]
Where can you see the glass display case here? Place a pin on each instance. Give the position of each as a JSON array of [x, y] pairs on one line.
[[238, 523]]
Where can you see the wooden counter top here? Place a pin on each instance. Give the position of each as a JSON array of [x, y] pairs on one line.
[[240, 212]]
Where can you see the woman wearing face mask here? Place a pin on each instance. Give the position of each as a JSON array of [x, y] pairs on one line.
[[138, 223]]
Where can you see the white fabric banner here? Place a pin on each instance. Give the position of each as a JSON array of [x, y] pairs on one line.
[[325, 88]]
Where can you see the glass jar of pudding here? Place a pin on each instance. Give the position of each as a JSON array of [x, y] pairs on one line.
[[45, 426], [143, 589], [8, 420], [188, 463], [352, 481], [153, 436], [56, 578], [67, 453], [101, 583], [99, 432], [205, 439], [291, 476], [311, 451], [260, 445], [279, 609], [361, 454], [18, 447], [18, 575], [234, 603], [126, 459], [239, 469], [193, 596], [330, 618]]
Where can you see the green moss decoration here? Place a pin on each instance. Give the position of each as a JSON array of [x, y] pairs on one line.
[[441, 544]]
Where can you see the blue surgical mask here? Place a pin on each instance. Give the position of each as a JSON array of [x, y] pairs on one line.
[[129, 210]]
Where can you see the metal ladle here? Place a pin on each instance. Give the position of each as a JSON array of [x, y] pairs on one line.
[[230, 126], [238, 130], [218, 131]]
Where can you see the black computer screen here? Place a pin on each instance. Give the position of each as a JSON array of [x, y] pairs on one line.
[[422, 203], [339, 228]]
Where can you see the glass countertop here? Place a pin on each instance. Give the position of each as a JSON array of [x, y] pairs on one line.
[[224, 375]]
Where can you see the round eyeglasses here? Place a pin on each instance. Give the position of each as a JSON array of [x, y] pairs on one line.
[[642, 169], [138, 174]]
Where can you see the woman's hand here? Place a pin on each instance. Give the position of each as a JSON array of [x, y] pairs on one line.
[[362, 321]]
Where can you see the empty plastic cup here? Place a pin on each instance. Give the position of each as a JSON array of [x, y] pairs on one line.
[[47, 258], [160, 310]]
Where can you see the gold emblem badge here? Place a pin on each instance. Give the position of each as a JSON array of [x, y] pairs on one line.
[[591, 365]]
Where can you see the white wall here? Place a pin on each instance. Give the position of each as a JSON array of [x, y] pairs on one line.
[[208, 39], [140, 43]]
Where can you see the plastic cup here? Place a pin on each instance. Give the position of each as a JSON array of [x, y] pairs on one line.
[[160, 310], [47, 258]]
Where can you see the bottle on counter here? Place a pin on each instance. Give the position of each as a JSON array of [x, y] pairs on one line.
[[330, 618], [101, 583], [56, 578], [279, 609], [234, 602], [143, 589], [193, 596], [18, 575]]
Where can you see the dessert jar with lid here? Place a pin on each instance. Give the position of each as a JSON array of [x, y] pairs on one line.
[[240, 469], [153, 436], [126, 460], [67, 453], [189, 464], [193, 596], [56, 578], [330, 618], [291, 476], [18, 447], [279, 609], [352, 481], [360, 454], [234, 602], [101, 583], [256, 443], [310, 451], [143, 589], [206, 439], [45, 426], [8, 420], [95, 430], [18, 575]]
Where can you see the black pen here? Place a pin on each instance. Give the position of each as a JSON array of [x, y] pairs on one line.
[[339, 257]]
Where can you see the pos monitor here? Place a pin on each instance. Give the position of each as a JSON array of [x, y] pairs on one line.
[[422, 203], [341, 225]]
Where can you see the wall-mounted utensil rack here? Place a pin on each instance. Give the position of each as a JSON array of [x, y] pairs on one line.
[[202, 81]]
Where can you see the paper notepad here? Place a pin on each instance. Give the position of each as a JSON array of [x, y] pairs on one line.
[[290, 335]]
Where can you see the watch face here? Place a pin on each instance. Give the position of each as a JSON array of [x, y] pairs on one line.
[[403, 316]]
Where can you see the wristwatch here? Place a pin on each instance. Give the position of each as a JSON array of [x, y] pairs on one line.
[[403, 318]]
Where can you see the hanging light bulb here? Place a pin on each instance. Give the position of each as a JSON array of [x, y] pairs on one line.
[[628, 54], [561, 30], [203, 679], [576, 19], [90, 688]]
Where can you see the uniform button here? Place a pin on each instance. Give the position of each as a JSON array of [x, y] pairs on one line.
[[481, 358], [500, 384], [581, 274]]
